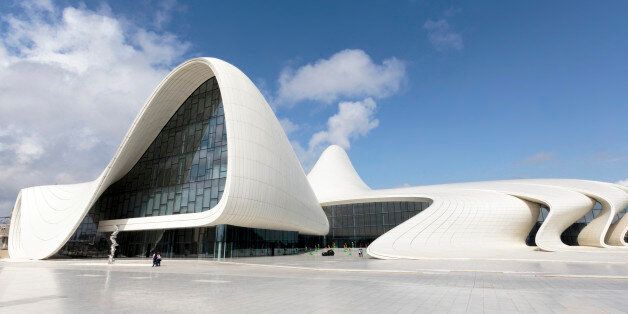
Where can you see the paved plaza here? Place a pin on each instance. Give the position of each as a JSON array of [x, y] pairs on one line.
[[533, 283]]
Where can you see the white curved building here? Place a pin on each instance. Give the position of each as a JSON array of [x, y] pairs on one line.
[[256, 172], [206, 170], [480, 216]]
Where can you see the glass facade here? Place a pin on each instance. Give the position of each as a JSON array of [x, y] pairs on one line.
[[357, 225], [185, 168], [353, 225], [204, 242]]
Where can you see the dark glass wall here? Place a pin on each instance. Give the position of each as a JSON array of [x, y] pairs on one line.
[[185, 168], [357, 225], [205, 242]]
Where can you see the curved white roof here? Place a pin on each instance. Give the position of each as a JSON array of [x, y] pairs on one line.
[[479, 215], [265, 185], [334, 175]]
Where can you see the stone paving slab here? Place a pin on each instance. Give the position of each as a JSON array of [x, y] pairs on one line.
[[308, 284]]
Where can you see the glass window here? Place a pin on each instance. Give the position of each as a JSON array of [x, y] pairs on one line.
[[363, 222], [189, 149]]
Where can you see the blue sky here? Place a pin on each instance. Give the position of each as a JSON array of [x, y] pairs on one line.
[[482, 90]]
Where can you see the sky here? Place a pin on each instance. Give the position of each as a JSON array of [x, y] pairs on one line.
[[417, 92]]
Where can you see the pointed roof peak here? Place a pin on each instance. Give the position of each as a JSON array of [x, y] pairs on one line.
[[333, 175]]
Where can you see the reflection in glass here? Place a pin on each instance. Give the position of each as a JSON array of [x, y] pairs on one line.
[[361, 223], [184, 170]]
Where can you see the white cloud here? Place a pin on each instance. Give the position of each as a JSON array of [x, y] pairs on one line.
[[164, 11], [71, 82], [623, 182], [537, 158], [44, 5], [28, 149], [607, 157], [288, 126], [442, 36], [346, 74], [353, 120]]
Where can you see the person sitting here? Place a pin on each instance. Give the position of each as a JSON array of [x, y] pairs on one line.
[[154, 259]]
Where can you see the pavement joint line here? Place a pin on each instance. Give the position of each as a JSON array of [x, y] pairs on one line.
[[585, 276], [513, 260], [89, 275], [112, 265], [321, 269], [422, 271], [211, 281]]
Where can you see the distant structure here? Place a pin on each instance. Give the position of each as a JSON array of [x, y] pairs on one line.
[[5, 222], [206, 170]]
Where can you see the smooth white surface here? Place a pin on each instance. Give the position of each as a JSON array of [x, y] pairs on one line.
[[45, 216], [476, 216], [612, 199], [617, 232], [333, 174], [265, 186], [571, 283]]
